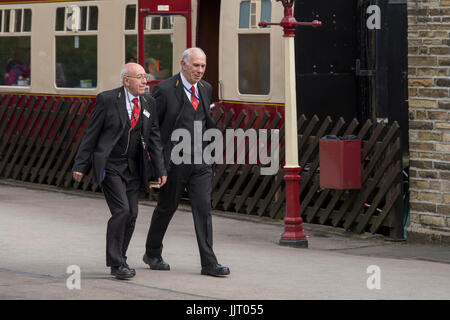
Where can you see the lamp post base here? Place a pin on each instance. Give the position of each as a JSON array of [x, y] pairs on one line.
[[301, 243], [293, 235]]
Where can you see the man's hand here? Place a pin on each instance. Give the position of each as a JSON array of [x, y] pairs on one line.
[[162, 180], [77, 176]]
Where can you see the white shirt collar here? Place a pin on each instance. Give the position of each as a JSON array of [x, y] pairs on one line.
[[129, 102], [129, 96]]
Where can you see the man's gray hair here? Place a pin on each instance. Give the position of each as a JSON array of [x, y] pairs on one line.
[[125, 70], [187, 53]]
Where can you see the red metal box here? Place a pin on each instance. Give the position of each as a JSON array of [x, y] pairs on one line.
[[340, 164]]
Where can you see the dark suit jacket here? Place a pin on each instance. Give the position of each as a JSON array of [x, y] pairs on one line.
[[108, 121], [170, 101]]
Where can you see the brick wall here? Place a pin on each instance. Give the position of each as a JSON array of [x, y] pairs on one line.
[[429, 125]]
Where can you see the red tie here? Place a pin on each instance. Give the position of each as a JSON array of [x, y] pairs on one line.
[[194, 100], [135, 113]]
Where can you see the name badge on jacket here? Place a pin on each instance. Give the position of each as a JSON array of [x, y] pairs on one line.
[[146, 113]]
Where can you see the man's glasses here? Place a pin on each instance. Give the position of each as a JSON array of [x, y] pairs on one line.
[[140, 77]]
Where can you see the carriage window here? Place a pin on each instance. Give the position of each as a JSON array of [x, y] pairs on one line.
[[83, 19], [76, 18], [27, 20], [266, 10], [15, 47], [59, 25], [130, 33], [159, 23], [76, 61], [254, 64], [76, 47], [7, 20], [15, 61], [166, 23], [158, 61], [253, 13], [155, 23], [18, 20], [248, 13], [244, 15], [130, 48], [164, 42], [130, 17], [93, 18]]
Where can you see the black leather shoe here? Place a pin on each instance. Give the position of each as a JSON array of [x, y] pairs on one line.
[[121, 272], [156, 263], [215, 270], [133, 271]]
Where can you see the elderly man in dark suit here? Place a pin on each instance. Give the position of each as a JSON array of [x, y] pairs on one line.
[[182, 100], [123, 135]]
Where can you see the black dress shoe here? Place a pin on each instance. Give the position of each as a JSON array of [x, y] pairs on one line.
[[133, 271], [215, 270], [156, 263], [121, 272]]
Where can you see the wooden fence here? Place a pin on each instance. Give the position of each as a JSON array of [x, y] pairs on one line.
[[377, 207], [39, 137]]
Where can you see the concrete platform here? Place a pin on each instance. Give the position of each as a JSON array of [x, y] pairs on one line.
[[43, 232]]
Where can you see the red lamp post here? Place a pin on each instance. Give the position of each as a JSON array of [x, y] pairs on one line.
[[293, 234]]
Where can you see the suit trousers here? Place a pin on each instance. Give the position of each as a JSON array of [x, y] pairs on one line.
[[197, 180], [122, 197]]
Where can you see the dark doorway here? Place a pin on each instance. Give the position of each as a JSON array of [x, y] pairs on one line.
[[325, 59], [392, 66], [348, 69], [208, 39]]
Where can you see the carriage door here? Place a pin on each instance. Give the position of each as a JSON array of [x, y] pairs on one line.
[[325, 59], [356, 65], [207, 38], [164, 33]]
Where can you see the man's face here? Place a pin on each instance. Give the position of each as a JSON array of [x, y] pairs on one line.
[[135, 80], [195, 70]]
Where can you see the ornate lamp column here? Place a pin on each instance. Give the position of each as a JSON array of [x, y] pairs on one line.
[[293, 234]]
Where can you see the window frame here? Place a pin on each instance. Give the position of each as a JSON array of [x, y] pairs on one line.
[[148, 31], [80, 33], [129, 32], [69, 32], [13, 33], [136, 18], [253, 30]]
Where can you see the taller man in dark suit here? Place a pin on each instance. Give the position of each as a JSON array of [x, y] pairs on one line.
[[123, 134], [181, 100]]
